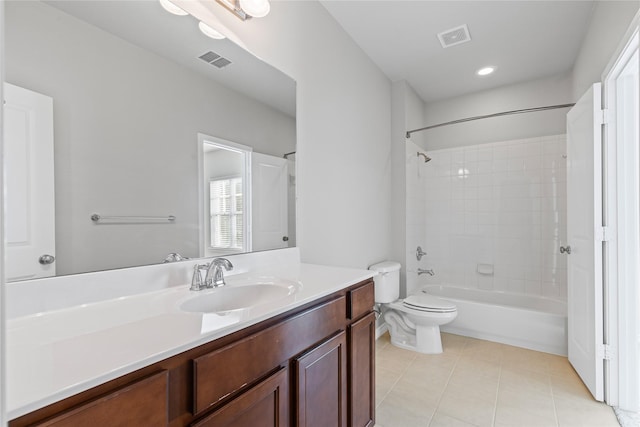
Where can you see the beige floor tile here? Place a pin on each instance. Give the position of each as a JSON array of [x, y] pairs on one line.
[[477, 367], [423, 391], [484, 350], [445, 359], [471, 410], [425, 377], [442, 420], [560, 366], [390, 363], [404, 407], [479, 383], [514, 417], [514, 380], [436, 367], [383, 341], [385, 380], [529, 360], [481, 389], [395, 416], [570, 387], [399, 355], [581, 412], [527, 401], [453, 343]]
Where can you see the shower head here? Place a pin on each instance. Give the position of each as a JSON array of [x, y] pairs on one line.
[[426, 158]]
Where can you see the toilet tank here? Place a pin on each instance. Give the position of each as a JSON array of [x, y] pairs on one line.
[[387, 282]]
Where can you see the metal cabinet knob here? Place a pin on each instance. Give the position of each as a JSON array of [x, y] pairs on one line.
[[46, 259], [565, 249], [285, 238]]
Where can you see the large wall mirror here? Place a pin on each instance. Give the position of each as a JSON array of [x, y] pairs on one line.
[[114, 111]]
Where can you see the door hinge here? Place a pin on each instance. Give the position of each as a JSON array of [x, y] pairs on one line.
[[603, 117], [602, 234], [606, 352]]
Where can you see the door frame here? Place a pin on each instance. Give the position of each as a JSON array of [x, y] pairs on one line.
[[618, 295]]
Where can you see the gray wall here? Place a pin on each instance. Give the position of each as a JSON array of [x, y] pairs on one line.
[[609, 22], [344, 130], [549, 91], [126, 146]]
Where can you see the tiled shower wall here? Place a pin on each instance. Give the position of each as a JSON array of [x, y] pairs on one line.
[[494, 216]]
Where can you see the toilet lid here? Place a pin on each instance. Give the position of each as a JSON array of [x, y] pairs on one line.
[[430, 303]]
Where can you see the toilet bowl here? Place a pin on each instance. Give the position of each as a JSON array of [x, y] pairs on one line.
[[414, 322]]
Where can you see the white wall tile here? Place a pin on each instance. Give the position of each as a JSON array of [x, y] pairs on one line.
[[502, 203]]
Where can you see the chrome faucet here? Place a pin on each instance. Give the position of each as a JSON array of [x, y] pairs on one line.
[[423, 271], [215, 272], [214, 277]]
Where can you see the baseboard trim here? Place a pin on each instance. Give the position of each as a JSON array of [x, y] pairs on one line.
[[380, 330]]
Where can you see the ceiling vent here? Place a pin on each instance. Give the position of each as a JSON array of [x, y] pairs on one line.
[[454, 36], [215, 59]]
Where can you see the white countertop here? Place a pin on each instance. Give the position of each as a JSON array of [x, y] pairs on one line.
[[55, 354]]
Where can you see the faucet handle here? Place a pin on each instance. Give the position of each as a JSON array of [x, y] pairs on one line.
[[196, 281]]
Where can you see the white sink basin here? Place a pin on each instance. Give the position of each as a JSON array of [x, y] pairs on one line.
[[242, 296]]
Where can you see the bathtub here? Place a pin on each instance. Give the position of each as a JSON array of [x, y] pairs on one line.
[[536, 323]]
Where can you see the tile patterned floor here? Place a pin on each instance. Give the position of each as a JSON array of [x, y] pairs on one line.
[[481, 383]]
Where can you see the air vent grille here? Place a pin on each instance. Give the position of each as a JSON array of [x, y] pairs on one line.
[[215, 59], [454, 36], [221, 62]]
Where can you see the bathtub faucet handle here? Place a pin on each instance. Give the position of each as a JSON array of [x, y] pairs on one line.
[[423, 271]]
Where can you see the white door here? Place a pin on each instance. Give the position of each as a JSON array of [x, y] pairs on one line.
[[29, 184], [584, 228], [269, 177]]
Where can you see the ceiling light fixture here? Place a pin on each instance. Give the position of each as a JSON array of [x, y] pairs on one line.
[[210, 32], [246, 9], [256, 8], [172, 8], [485, 71]]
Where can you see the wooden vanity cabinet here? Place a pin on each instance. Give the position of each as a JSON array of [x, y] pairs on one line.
[[320, 398], [311, 366]]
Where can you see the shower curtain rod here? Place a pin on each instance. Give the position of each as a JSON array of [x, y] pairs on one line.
[[487, 116]]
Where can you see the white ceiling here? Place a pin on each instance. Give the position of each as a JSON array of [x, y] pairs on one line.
[[526, 40]]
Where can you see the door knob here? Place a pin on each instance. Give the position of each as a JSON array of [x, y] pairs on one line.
[[46, 259], [566, 249]]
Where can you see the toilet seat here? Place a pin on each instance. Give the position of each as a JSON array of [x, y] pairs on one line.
[[429, 303]]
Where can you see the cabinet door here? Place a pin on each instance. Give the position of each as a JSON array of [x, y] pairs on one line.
[[143, 403], [362, 372], [264, 405], [321, 385]]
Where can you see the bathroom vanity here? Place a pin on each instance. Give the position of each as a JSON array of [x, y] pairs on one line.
[[308, 361]]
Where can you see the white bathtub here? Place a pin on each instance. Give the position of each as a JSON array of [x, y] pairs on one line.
[[531, 322]]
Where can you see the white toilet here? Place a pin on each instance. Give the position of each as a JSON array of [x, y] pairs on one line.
[[414, 323]]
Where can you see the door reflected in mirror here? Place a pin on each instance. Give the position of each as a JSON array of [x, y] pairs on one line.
[[244, 198]]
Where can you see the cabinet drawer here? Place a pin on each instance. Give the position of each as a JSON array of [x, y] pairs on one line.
[[143, 402], [361, 300], [264, 405], [234, 367]]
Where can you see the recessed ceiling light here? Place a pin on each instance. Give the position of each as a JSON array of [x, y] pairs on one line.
[[485, 71]]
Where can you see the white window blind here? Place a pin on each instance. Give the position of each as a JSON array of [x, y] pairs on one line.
[[226, 209]]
